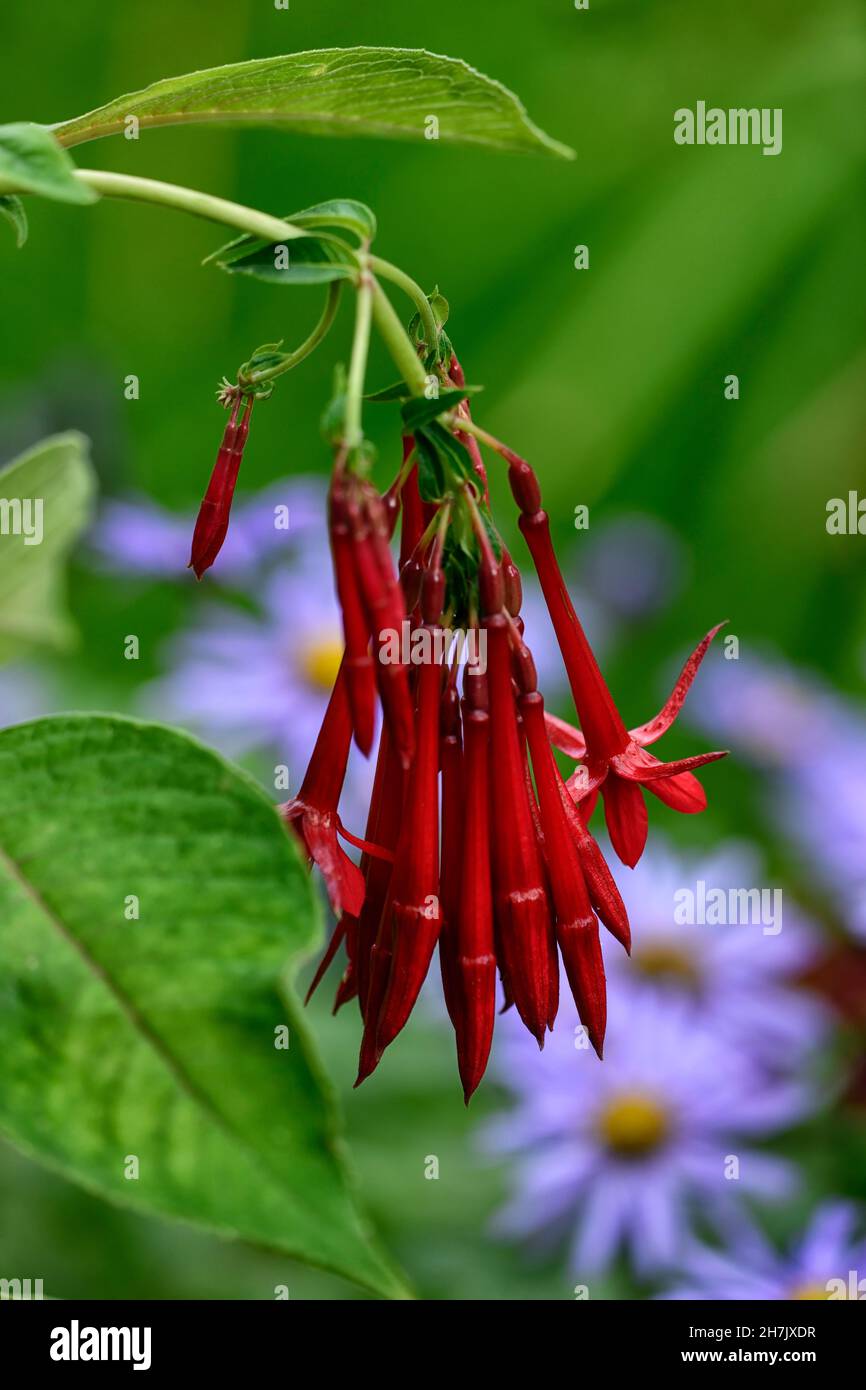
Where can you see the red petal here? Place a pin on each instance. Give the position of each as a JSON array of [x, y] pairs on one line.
[[626, 816], [330, 951], [565, 737], [638, 766], [648, 733], [682, 793]]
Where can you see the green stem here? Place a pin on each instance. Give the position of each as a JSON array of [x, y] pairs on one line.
[[172, 195], [398, 342], [410, 287], [353, 434], [291, 359]]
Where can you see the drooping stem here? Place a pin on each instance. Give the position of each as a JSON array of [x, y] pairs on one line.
[[291, 359], [398, 277], [172, 195], [398, 342]]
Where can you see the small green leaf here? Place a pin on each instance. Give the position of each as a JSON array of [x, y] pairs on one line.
[[12, 210], [393, 92], [31, 161], [306, 261], [340, 212], [45, 503], [397, 391], [420, 410], [152, 905], [442, 460]]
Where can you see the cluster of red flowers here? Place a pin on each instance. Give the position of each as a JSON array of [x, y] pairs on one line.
[[474, 841]]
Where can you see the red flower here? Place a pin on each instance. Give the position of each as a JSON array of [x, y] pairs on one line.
[[616, 760], [512, 879], [313, 813], [212, 522]]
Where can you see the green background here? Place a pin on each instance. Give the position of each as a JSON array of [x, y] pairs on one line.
[[703, 262]]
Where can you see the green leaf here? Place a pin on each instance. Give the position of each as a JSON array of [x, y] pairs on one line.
[[442, 460], [334, 91], [12, 210], [339, 212], [151, 905], [306, 261], [397, 391], [420, 410], [46, 499], [31, 161]]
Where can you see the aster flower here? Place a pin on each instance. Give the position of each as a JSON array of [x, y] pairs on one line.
[[631, 1153], [739, 978], [135, 536], [260, 682], [772, 712], [827, 1262]]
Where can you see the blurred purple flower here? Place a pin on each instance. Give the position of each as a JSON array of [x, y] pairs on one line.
[[819, 1266], [814, 742], [623, 1153], [136, 536], [632, 565], [736, 976], [24, 694], [249, 682]]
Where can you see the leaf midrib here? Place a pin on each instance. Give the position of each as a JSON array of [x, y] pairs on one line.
[[144, 1028]]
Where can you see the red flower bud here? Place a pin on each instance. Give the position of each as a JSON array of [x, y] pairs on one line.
[[212, 522]]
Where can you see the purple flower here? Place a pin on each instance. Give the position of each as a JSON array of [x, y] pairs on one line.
[[624, 1153], [247, 682], [826, 1263], [732, 959], [632, 565], [24, 694], [814, 743], [136, 536]]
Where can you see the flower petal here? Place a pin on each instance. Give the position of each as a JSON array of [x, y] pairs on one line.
[[565, 737], [626, 816], [654, 728]]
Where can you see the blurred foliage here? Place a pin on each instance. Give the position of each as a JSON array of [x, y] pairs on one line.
[[703, 262]]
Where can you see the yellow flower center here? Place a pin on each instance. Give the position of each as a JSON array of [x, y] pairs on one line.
[[634, 1124], [810, 1293], [320, 660], [667, 960]]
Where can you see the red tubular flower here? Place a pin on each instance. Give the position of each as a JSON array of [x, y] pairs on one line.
[[453, 791], [615, 760], [383, 827], [474, 974], [313, 812], [576, 926], [357, 662], [415, 902], [212, 522], [520, 898], [381, 600]]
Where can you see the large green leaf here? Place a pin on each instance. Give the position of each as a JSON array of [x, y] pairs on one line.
[[334, 91], [31, 161], [154, 1038], [54, 481]]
